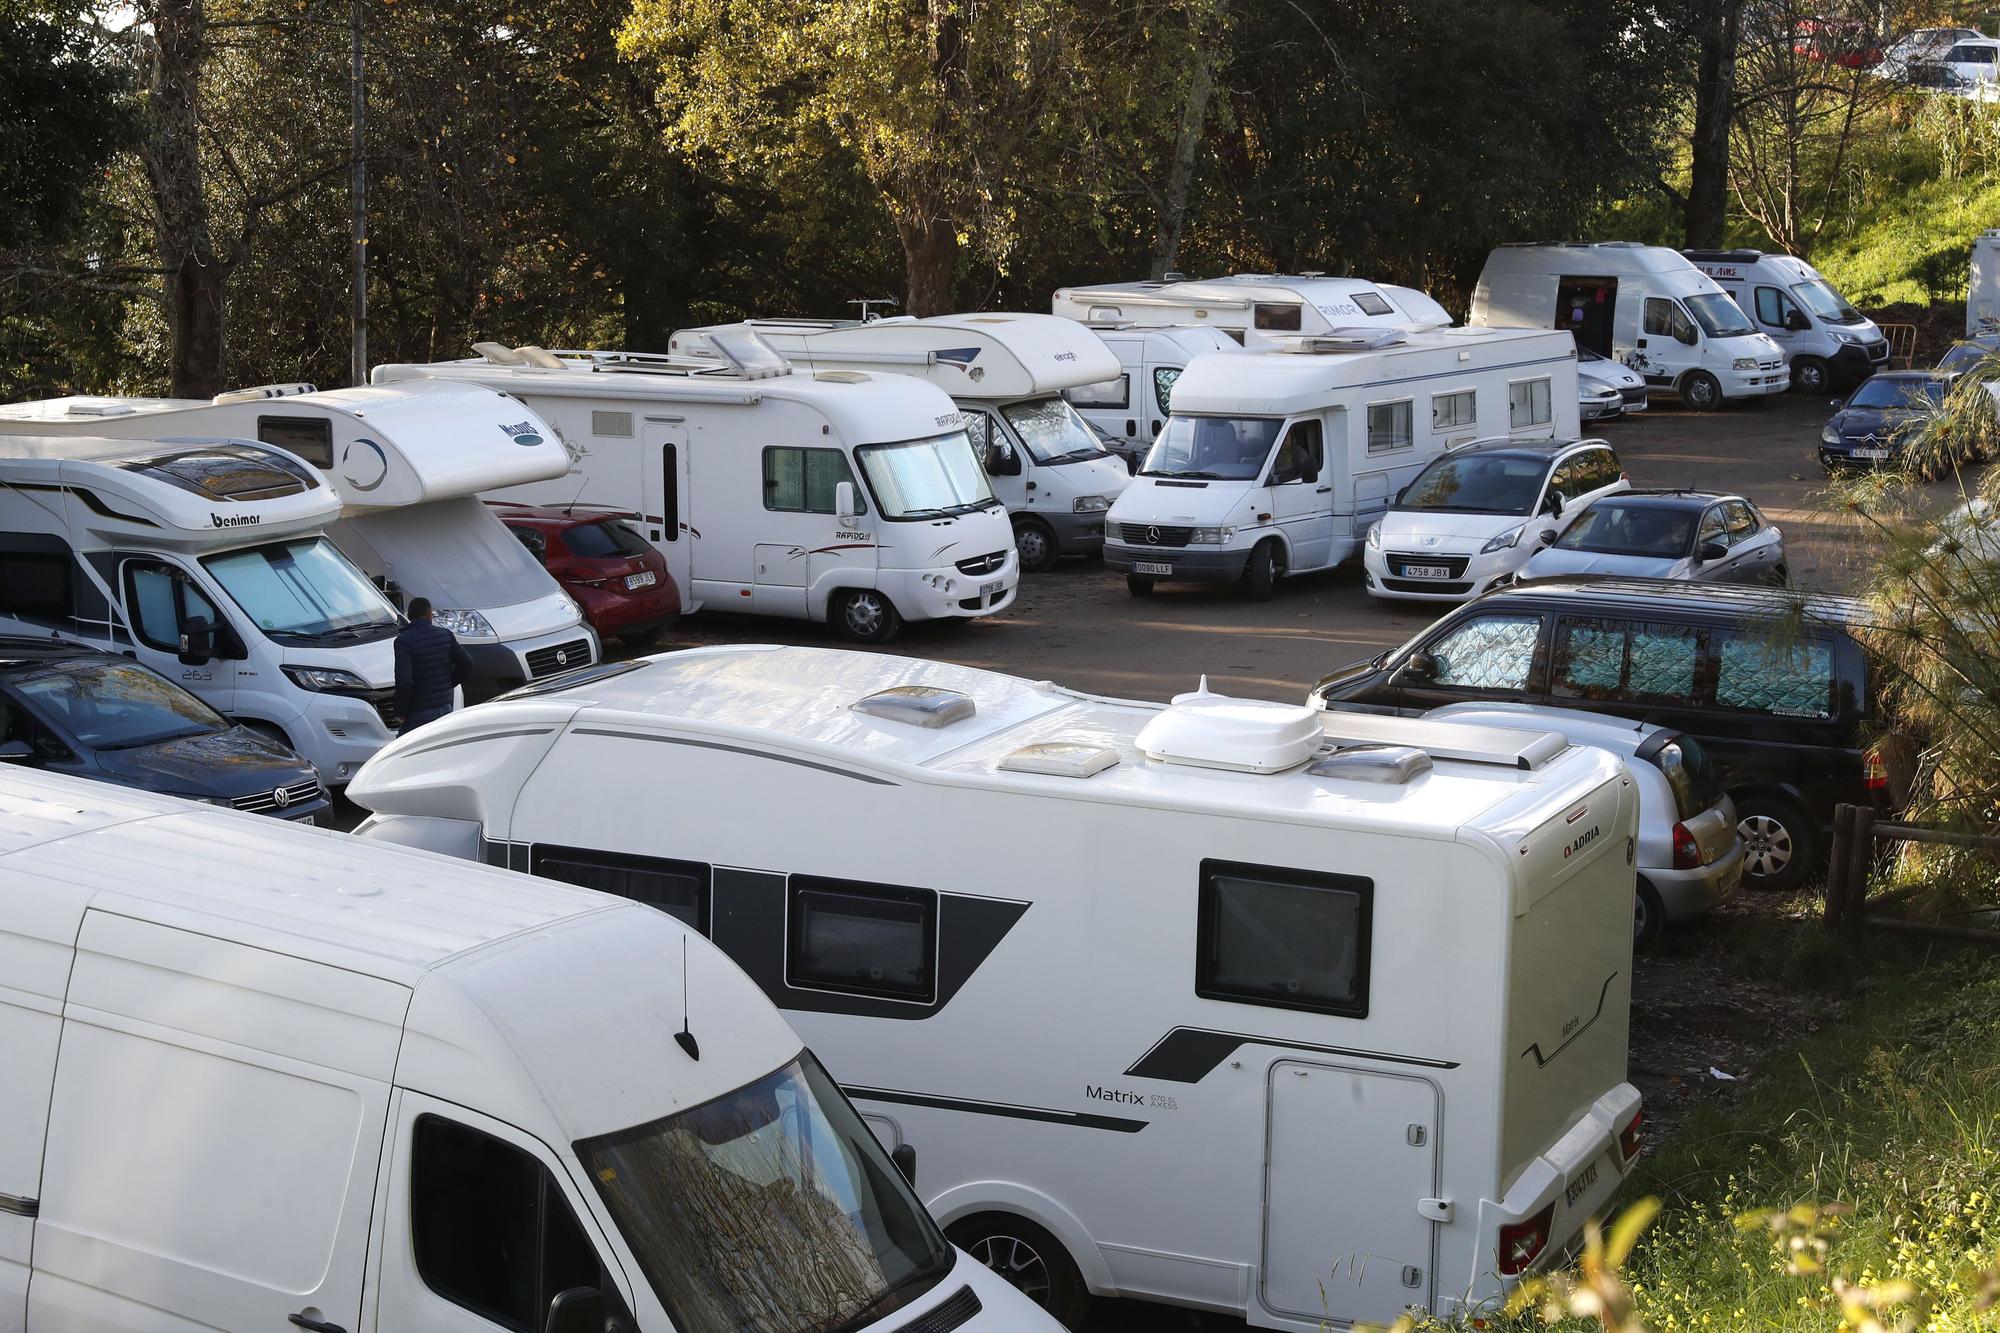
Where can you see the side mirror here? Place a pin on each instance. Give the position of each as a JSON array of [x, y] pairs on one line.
[[197, 642], [1419, 667], [1001, 460], [16, 752], [1796, 321], [1548, 537], [1711, 551], [905, 1158], [1554, 503], [845, 510], [576, 1310]]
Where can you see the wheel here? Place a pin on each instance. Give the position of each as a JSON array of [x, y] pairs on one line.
[[1649, 917], [1261, 575], [863, 615], [1138, 585], [1029, 1258], [1779, 842], [1780, 576], [1700, 392], [1036, 544], [1809, 375]]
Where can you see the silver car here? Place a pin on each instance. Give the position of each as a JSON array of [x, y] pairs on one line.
[[1703, 535], [1606, 388]]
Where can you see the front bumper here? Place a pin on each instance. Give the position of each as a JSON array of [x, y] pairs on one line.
[[1759, 383], [948, 593], [1834, 457], [1076, 534], [1195, 564], [1468, 576], [342, 731], [1855, 363], [1688, 894], [1600, 409]]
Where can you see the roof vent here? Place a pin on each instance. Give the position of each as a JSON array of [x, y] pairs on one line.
[[1394, 764], [841, 377], [1347, 340], [1207, 730], [499, 354], [97, 407], [260, 391], [918, 705], [1061, 759], [538, 357]]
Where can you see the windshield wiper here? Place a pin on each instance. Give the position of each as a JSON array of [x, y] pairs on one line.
[[932, 512]]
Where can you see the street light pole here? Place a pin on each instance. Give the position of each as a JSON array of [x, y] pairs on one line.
[[358, 200]]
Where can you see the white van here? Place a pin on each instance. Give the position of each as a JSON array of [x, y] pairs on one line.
[[1132, 407], [208, 563], [1007, 373], [1644, 305], [1245, 305], [408, 463], [1829, 345], [1298, 1017], [1982, 293], [287, 1079], [1279, 462], [840, 497]]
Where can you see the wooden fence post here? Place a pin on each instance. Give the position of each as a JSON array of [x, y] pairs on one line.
[[1836, 867], [1860, 864]]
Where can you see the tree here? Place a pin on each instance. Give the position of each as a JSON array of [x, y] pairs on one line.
[[1718, 33]]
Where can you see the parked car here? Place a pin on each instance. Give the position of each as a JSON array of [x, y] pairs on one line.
[[1594, 375], [1869, 427], [1905, 58], [1971, 355], [1847, 42], [1704, 535], [1472, 517], [1690, 856], [1772, 683], [1967, 68], [65, 708], [617, 576]]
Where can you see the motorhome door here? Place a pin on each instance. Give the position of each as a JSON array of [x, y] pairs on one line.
[[162, 604], [802, 542], [1350, 1169], [1585, 306], [664, 507]]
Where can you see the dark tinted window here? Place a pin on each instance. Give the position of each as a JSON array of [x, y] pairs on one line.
[[33, 584], [531, 538], [1616, 659], [1495, 483], [1372, 303], [596, 541], [1665, 318], [873, 940], [311, 438], [678, 888], [1299, 455], [1290, 938], [114, 705], [1880, 391], [1277, 318], [230, 472], [1742, 521], [1611, 528], [1598, 468]]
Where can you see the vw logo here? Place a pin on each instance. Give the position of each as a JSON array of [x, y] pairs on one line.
[[1153, 536], [562, 657], [281, 798]]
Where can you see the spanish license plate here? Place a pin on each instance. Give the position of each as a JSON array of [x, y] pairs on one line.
[[643, 579], [992, 589], [1581, 1185], [1871, 453], [1151, 567], [1426, 572]]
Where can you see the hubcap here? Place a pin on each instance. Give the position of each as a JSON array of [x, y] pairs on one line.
[[1016, 1260], [1639, 916], [864, 614], [1033, 548], [1767, 846], [1811, 378], [1700, 393]]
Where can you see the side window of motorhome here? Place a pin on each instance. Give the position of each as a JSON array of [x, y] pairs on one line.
[[1300, 454], [1104, 393], [678, 888], [1761, 672], [1528, 404], [37, 585], [1665, 319], [311, 438], [802, 481], [1163, 387], [490, 1226], [1390, 426], [867, 939], [1293, 939], [1615, 659], [161, 599], [1277, 318], [1488, 653], [1452, 411]]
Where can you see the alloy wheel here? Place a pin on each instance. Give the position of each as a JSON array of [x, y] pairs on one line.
[[1767, 846], [1017, 1261]]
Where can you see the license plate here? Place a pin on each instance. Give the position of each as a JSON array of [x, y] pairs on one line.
[[643, 579], [1730, 882], [1426, 572], [1150, 567], [1581, 1185], [992, 589], [1871, 453]]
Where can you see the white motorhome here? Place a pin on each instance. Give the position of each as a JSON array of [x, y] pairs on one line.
[[1289, 1015], [841, 497], [1245, 305], [1828, 344], [1132, 407], [1008, 374], [1644, 305], [207, 562], [1982, 293], [408, 463], [1279, 462], [265, 1078]]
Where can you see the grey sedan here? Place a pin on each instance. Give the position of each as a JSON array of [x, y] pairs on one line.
[[1666, 535]]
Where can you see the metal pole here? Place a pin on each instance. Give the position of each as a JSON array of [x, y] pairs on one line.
[[1836, 866], [357, 368]]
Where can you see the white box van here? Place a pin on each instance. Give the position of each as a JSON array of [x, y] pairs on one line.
[[1982, 293], [1828, 344], [208, 563], [1131, 407], [1279, 462], [1007, 373], [1300, 1017], [1644, 305], [408, 463], [1245, 305], [286, 1079]]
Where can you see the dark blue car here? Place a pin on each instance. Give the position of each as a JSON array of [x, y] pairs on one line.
[[1868, 429], [70, 709]]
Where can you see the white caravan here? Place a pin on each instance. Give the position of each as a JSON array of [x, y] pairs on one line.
[[1827, 342], [1644, 305], [1289, 1015], [1245, 305], [1279, 462], [1130, 408], [408, 463], [263, 1078], [838, 497], [1982, 294], [1007, 372]]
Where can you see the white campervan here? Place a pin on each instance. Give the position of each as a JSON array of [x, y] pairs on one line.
[[261, 1078], [207, 562], [1982, 292], [1299, 1017], [408, 463], [841, 497], [1827, 342], [1007, 373], [1132, 407], [1278, 462], [1245, 305], [1644, 305]]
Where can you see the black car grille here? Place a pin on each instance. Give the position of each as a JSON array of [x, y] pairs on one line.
[[1878, 353], [1425, 585], [559, 657], [267, 802], [1633, 393], [983, 564], [1154, 534], [1453, 565], [946, 1317]]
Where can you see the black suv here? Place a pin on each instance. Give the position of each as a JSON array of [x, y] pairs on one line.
[[1770, 681]]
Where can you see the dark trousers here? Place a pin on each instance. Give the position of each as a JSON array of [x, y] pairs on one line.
[[415, 720]]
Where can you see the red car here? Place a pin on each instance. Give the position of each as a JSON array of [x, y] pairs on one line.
[[614, 574]]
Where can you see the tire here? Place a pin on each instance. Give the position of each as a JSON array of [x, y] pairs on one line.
[[1809, 376], [1780, 845], [1036, 544], [864, 615], [1649, 917], [1700, 392], [1138, 585], [1780, 576], [1261, 574], [1030, 1259]]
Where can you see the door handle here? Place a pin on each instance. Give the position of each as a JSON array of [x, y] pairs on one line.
[[314, 1322], [1325, 490]]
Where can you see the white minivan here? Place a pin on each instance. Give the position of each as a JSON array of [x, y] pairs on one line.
[[261, 1077], [1827, 342]]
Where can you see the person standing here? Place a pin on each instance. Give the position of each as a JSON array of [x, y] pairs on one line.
[[429, 665]]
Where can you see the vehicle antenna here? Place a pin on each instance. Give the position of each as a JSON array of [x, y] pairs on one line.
[[685, 1038], [571, 506]]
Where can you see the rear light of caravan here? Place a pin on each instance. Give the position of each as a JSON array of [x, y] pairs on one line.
[[1521, 1243], [1874, 772], [1632, 1138], [1687, 852]]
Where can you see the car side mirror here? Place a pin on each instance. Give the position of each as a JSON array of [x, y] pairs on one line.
[[1548, 537], [197, 642], [1796, 321], [905, 1158], [1419, 667], [1711, 551], [576, 1310], [16, 752], [843, 504]]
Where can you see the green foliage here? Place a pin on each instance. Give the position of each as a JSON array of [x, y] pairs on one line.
[[61, 117]]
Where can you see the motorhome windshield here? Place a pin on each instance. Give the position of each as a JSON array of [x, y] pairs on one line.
[[304, 592], [110, 706], [1212, 448], [1718, 315], [1052, 431], [769, 1210], [926, 478], [1826, 303], [1495, 483]]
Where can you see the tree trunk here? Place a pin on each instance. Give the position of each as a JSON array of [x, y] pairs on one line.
[[195, 275], [1187, 151], [930, 259], [1714, 110]]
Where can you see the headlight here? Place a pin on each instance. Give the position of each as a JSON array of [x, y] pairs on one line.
[[1843, 336], [324, 678], [1089, 504], [1829, 435], [468, 623], [1375, 534], [1503, 541], [1213, 536], [1744, 363]]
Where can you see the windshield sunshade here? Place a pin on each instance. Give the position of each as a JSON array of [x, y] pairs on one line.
[[1212, 448]]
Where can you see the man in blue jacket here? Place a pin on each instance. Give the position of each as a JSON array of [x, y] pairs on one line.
[[429, 665]]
